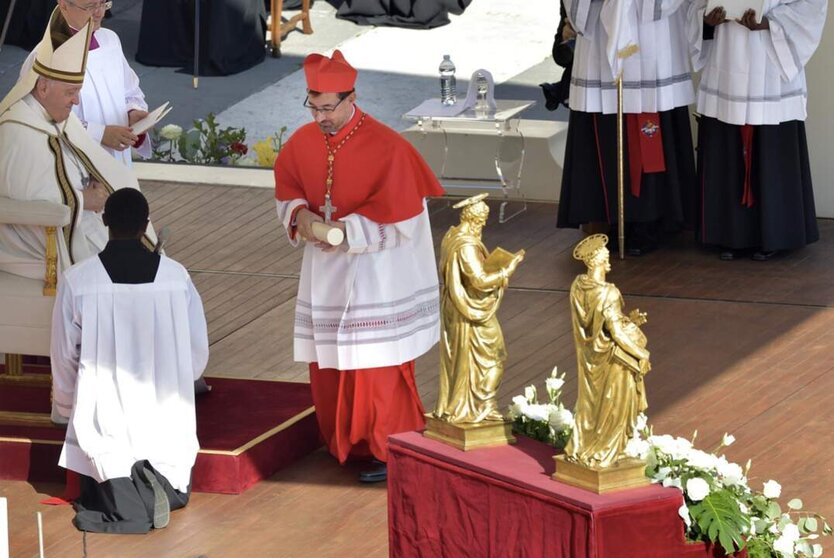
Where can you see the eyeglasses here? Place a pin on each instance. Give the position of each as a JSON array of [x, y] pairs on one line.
[[92, 8], [325, 109]]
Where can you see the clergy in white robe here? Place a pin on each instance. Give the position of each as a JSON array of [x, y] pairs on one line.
[[752, 149], [111, 99], [129, 339], [45, 154], [366, 309], [657, 84]]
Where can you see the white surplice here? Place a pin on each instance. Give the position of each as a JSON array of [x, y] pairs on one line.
[[124, 361], [29, 170], [111, 89], [372, 304], [657, 78], [758, 77]]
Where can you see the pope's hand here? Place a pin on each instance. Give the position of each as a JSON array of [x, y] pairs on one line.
[[118, 137], [95, 195], [135, 116]]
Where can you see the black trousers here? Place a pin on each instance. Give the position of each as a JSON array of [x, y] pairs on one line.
[[123, 505], [783, 216], [589, 180]]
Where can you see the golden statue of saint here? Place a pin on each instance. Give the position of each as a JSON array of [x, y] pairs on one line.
[[611, 358], [472, 350]]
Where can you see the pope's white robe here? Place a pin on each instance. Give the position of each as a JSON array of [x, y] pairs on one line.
[[657, 78], [124, 361], [758, 77], [373, 304], [111, 90], [30, 170]]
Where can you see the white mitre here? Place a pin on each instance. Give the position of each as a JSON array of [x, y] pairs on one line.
[[67, 63]]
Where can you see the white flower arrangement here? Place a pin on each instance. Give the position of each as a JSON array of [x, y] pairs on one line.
[[548, 422], [719, 505]]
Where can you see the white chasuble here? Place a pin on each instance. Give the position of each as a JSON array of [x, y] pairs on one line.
[[372, 304], [124, 361], [657, 78], [41, 160]]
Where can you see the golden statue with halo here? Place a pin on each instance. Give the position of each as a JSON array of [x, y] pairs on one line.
[[611, 359], [472, 350]]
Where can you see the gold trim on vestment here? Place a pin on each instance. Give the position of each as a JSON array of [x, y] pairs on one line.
[[91, 168], [68, 195]]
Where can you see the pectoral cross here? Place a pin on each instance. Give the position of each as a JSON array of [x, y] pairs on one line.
[[328, 208]]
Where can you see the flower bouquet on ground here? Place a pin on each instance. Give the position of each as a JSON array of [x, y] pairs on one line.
[[719, 504], [549, 422], [205, 144]]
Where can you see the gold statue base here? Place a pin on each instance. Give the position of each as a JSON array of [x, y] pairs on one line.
[[626, 474], [467, 437]]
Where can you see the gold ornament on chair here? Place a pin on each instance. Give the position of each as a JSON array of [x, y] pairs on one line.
[[472, 351], [611, 359]]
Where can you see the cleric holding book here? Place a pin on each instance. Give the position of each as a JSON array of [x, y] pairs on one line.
[[111, 100], [368, 307], [753, 162]]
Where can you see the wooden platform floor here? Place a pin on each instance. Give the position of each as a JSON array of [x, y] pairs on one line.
[[741, 347]]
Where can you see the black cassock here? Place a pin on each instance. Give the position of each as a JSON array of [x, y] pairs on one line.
[[781, 214], [415, 14]]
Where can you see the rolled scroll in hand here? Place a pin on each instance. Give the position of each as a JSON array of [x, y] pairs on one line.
[[327, 233]]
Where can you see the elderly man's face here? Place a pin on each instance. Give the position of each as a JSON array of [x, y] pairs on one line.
[[77, 12], [57, 97], [330, 112]]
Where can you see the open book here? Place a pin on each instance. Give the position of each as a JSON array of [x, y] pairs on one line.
[[498, 259], [151, 120], [736, 8]]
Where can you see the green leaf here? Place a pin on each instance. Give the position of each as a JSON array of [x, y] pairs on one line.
[[773, 510], [795, 504], [816, 550], [809, 525], [720, 519]]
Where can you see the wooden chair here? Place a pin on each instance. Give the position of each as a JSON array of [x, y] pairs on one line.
[[279, 29], [26, 317]]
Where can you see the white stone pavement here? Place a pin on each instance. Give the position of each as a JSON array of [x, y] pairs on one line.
[[398, 67]]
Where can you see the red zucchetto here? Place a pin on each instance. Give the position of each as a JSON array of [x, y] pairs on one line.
[[329, 75]]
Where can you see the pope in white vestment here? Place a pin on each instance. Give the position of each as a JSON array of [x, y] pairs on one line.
[[111, 96], [49, 156]]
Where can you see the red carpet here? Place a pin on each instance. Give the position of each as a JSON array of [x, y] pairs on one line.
[[248, 430]]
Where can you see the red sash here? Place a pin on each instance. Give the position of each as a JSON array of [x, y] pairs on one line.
[[747, 152], [645, 147]]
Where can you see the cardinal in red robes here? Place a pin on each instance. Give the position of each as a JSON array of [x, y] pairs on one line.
[[369, 306]]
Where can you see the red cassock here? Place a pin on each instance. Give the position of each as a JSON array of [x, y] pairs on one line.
[[380, 176]]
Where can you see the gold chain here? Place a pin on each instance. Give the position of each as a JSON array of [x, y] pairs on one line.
[[331, 153]]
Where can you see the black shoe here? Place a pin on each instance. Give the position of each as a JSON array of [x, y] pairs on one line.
[[727, 255], [764, 255], [161, 505], [378, 473]]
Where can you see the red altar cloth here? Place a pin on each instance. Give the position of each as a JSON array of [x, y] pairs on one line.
[[501, 502]]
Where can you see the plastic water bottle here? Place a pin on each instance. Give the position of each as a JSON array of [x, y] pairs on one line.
[[448, 95]]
